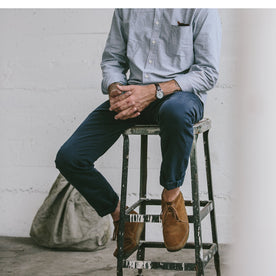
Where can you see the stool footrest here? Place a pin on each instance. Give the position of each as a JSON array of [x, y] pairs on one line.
[[151, 218], [206, 257], [153, 201], [188, 245], [158, 265]]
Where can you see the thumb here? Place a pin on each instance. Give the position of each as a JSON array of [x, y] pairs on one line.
[[125, 87]]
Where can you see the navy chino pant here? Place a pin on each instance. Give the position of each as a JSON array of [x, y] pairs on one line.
[[176, 114]]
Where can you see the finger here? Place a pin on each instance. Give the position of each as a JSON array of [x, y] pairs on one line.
[[126, 105], [136, 114], [125, 87], [124, 95], [130, 116], [115, 93], [121, 97], [118, 99], [122, 105], [123, 115]]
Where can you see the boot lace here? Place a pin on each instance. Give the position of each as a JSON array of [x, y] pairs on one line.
[[170, 208]]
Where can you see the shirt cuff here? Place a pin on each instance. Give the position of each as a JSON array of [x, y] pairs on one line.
[[107, 81], [184, 83]]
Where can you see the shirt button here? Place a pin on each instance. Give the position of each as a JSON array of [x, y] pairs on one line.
[[150, 61], [157, 22], [153, 42], [146, 76]]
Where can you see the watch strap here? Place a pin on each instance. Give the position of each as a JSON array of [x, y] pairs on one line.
[[159, 92], [157, 86]]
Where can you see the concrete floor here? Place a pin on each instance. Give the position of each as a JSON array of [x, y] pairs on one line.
[[21, 257]]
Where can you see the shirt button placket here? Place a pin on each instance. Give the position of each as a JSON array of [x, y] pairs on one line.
[[155, 34]]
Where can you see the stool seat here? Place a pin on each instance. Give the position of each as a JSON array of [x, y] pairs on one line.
[[204, 252], [200, 127]]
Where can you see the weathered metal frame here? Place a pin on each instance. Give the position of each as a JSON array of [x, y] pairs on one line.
[[200, 208]]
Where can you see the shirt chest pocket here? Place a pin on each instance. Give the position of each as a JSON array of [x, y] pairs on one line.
[[179, 40]]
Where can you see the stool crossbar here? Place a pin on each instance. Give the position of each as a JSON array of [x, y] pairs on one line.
[[204, 252]]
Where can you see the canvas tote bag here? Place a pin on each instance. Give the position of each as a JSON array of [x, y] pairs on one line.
[[67, 221]]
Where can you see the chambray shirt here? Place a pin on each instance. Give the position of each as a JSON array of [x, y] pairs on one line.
[[156, 45]]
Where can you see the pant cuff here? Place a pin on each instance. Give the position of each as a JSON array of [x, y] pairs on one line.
[[111, 209], [169, 185]]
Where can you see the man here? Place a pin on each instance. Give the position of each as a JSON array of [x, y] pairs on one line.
[[172, 56]]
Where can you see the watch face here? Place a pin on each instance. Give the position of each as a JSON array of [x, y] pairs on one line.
[[159, 94]]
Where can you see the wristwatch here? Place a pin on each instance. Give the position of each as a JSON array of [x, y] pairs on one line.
[[159, 92]]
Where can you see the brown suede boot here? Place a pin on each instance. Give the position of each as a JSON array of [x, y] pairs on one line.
[[133, 231], [175, 223]]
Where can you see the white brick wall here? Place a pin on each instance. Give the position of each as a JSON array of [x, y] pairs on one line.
[[50, 81]]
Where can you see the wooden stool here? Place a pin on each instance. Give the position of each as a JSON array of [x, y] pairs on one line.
[[204, 252]]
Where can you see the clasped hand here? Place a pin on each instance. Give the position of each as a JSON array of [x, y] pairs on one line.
[[128, 101]]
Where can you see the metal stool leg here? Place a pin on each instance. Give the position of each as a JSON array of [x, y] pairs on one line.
[[143, 192], [196, 211], [211, 197], [123, 206], [201, 258]]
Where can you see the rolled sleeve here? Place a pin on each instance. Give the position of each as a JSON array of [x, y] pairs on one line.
[[184, 82], [111, 79], [114, 62]]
